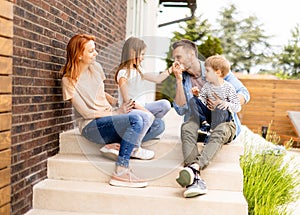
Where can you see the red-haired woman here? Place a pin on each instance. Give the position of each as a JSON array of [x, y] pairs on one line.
[[99, 122]]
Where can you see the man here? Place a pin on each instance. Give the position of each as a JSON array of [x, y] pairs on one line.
[[190, 72]]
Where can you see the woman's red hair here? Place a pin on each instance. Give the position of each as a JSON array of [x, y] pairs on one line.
[[75, 49]]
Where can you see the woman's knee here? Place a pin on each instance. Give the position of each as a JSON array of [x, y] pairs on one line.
[[136, 121]]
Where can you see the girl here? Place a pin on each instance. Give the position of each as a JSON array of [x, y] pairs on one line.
[[131, 77]]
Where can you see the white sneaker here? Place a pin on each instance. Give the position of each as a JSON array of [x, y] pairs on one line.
[[143, 154], [109, 153]]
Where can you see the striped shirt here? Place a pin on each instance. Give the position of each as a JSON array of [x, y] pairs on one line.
[[225, 92]]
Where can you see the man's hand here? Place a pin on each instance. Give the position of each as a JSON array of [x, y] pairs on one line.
[[177, 70]]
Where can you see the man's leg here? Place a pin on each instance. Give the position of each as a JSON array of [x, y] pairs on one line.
[[222, 134], [189, 176]]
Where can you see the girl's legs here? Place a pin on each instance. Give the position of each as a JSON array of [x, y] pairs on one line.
[[123, 128], [159, 108], [126, 129]]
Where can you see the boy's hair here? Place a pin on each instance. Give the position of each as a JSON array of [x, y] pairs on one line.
[[218, 62], [187, 44]]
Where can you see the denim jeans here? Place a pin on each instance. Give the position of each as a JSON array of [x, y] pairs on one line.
[[124, 129], [200, 113], [159, 108], [148, 119], [222, 134]]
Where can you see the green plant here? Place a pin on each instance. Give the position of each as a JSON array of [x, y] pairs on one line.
[[271, 182]]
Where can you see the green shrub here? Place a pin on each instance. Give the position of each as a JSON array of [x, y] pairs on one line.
[[271, 182]]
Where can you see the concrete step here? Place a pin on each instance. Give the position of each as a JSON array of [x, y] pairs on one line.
[[55, 212], [219, 175], [168, 147], [96, 197]]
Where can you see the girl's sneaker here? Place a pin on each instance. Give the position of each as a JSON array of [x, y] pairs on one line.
[[126, 178], [141, 153]]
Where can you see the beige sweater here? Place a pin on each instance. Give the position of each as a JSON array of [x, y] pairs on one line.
[[87, 95]]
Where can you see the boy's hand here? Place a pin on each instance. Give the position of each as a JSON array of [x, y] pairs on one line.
[[195, 90]]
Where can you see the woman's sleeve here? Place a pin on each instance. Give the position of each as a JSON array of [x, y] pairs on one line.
[[68, 89]]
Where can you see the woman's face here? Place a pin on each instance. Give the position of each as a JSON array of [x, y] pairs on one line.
[[89, 54]]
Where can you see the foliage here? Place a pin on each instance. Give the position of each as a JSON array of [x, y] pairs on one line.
[[198, 31], [244, 41], [270, 183], [289, 58]]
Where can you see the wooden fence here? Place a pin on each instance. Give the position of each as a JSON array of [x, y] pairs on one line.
[[270, 101], [6, 52]]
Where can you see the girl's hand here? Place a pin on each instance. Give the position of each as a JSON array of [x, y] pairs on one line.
[[126, 107]]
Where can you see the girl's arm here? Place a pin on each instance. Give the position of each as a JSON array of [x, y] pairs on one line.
[[157, 78], [124, 92]]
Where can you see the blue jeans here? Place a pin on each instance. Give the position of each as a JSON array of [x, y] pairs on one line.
[[148, 119], [123, 128], [200, 113], [159, 108]]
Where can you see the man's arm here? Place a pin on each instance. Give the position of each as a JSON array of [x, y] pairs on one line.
[[179, 99]]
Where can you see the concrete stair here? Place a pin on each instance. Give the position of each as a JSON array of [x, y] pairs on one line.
[[78, 180]]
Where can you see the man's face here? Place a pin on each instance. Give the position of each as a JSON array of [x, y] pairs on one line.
[[183, 56]]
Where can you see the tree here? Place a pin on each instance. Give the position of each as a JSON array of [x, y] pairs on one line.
[[289, 59], [244, 41], [199, 32]]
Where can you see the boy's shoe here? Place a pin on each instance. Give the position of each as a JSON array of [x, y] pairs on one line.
[[141, 153], [198, 187], [204, 128], [126, 178], [207, 138], [186, 176], [109, 153]]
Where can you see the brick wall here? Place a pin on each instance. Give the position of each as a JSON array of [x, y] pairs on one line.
[[41, 31], [6, 51]]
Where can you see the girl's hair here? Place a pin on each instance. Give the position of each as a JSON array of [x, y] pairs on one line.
[[218, 62], [131, 51], [75, 49]]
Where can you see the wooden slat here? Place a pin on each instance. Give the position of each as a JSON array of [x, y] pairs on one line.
[[5, 209], [6, 9], [270, 101], [5, 160], [294, 117], [5, 121], [4, 195], [4, 177], [6, 65], [6, 46], [6, 27], [5, 103], [5, 140], [5, 84]]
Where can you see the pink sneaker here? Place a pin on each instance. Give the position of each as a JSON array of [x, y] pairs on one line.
[[126, 178]]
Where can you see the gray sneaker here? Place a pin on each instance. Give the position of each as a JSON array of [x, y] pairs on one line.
[[198, 187]]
